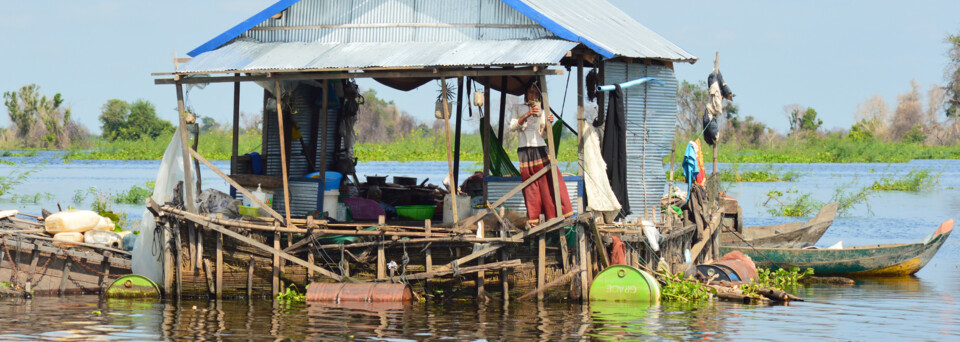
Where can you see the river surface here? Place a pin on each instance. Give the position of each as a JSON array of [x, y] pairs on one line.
[[921, 307]]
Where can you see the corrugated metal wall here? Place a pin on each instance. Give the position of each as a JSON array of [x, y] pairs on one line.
[[499, 186], [315, 14], [303, 193], [651, 114]]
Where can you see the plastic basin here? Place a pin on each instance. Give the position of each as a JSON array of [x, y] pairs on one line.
[[248, 211], [416, 212]]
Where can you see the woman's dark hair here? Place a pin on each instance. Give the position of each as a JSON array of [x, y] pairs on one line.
[[592, 85]]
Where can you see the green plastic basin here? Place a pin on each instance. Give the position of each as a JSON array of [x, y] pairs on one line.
[[621, 283], [416, 212]]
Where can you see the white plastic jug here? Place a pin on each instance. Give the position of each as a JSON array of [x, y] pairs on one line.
[[101, 237], [330, 200], [105, 224], [64, 239], [71, 221], [260, 195]]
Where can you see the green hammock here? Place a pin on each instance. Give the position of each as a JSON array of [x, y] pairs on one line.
[[500, 164]]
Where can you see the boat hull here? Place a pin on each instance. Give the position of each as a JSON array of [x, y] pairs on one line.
[[862, 261], [789, 235]]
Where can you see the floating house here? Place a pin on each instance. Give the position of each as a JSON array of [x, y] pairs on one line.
[[304, 53]]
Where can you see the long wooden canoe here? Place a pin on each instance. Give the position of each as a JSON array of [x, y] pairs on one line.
[[898, 259], [788, 235]]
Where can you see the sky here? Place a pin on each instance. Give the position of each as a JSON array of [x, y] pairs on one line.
[[828, 55]]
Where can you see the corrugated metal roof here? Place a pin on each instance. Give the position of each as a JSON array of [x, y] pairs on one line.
[[601, 26], [247, 56], [596, 23]]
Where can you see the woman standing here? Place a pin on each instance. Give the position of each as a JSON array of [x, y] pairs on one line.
[[532, 152]]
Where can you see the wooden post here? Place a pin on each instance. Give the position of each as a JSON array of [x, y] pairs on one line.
[[446, 120], [581, 127], [456, 135], [208, 276], [188, 191], [381, 256], [65, 276], [323, 131], [541, 264], [429, 253], [564, 253], [219, 265], [236, 128], [503, 108], [275, 284], [554, 167], [250, 279], [283, 164], [481, 280], [504, 273]]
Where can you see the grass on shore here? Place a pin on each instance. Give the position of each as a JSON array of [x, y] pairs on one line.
[[214, 145], [831, 148], [767, 173]]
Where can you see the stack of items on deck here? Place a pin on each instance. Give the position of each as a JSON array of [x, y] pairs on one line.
[[85, 226]]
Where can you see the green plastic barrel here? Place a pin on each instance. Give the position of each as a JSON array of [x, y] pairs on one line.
[[133, 286], [621, 283]]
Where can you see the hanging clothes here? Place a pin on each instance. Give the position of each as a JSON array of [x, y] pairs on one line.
[[615, 148], [602, 198]]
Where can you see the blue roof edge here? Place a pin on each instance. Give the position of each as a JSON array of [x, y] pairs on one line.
[[554, 27], [242, 27]]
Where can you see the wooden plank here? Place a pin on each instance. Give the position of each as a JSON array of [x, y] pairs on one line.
[[326, 74], [464, 270], [581, 127], [446, 131], [241, 189], [208, 276], [65, 276], [601, 250], [473, 219], [188, 192], [583, 261], [552, 153], [35, 258], [283, 156], [104, 276], [564, 253], [275, 283]]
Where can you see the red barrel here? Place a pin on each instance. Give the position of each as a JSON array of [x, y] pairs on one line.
[[744, 270], [359, 292]]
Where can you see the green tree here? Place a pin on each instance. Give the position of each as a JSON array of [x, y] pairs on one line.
[[692, 101], [952, 75], [131, 121], [802, 119], [40, 121]]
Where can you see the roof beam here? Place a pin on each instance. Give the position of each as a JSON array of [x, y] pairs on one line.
[[290, 76]]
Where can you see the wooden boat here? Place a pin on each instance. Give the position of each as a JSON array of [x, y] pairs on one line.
[[788, 235], [898, 259], [30, 261]]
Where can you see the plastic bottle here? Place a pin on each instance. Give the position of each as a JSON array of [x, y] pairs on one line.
[[260, 195], [101, 237], [64, 239]]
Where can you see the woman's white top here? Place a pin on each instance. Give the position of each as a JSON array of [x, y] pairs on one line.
[[528, 133]]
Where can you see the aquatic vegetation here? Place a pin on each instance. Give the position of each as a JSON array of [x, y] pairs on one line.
[[767, 173], [780, 279], [19, 154], [102, 205], [34, 198], [793, 203], [677, 289], [214, 145], [292, 295], [915, 180], [14, 179], [135, 195]]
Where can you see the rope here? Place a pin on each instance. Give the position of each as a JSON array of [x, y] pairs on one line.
[[16, 267], [764, 255], [85, 265]]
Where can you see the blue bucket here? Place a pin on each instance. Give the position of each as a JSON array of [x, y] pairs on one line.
[[332, 181]]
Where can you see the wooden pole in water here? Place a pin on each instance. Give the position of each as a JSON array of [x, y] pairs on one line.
[[188, 191], [381, 256], [323, 133], [250, 279], [236, 127], [581, 127], [275, 283], [429, 252]]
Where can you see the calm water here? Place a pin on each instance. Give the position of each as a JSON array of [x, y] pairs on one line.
[[923, 307]]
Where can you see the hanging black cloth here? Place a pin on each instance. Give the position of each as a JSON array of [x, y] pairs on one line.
[[615, 148]]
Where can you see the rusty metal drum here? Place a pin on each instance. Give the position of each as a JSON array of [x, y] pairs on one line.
[[359, 292], [746, 271]]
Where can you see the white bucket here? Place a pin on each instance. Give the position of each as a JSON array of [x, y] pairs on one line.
[[330, 200]]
